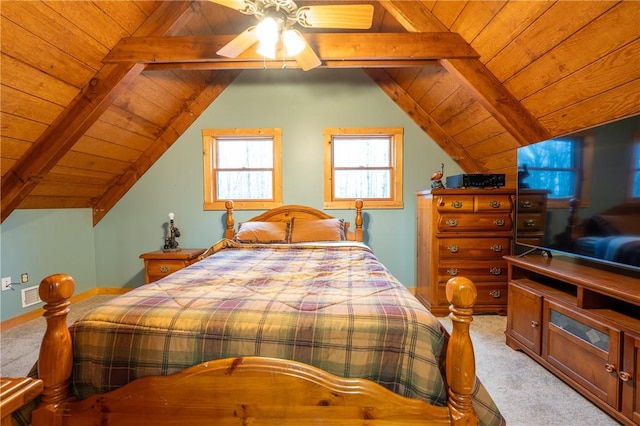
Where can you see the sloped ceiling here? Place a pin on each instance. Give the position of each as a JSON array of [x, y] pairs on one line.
[[94, 92]]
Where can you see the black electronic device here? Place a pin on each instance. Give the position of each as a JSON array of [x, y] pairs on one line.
[[599, 165], [480, 180]]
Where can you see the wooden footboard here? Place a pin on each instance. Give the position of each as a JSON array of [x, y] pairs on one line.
[[234, 391]]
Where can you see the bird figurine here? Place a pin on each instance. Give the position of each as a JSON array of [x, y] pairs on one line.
[[436, 178]]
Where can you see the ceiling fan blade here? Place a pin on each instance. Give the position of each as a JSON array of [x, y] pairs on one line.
[[355, 16], [240, 5], [239, 44], [307, 58]]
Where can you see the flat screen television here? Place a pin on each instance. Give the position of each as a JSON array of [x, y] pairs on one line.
[[591, 180]]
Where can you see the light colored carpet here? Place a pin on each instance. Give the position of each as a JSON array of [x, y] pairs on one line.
[[526, 393]]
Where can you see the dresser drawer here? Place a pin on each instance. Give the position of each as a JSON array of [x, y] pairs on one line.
[[158, 264], [457, 203], [530, 222], [493, 203], [161, 268], [475, 270], [450, 222], [488, 293], [473, 247], [532, 203]]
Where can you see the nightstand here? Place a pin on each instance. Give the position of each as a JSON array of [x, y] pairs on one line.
[[158, 264]]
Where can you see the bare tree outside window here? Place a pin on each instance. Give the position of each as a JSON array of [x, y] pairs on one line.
[[243, 165], [363, 163]]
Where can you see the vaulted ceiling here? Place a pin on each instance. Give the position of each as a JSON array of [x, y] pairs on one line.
[[94, 92]]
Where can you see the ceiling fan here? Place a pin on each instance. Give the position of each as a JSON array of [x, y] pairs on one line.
[[276, 19]]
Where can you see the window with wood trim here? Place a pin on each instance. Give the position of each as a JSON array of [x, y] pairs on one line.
[[363, 163], [634, 184], [558, 165], [243, 165]]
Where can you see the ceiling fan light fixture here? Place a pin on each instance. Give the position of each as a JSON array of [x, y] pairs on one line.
[[293, 42], [268, 50], [267, 31]]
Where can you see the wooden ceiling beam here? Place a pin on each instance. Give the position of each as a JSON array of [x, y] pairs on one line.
[[82, 112], [329, 47], [488, 90], [289, 64], [414, 16], [424, 121], [189, 114]]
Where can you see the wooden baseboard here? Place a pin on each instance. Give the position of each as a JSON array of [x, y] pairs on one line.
[[37, 313]]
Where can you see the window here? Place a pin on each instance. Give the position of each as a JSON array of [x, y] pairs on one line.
[[243, 165], [363, 163], [558, 165], [634, 187]]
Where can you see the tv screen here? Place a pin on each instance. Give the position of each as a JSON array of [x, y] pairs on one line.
[[589, 182]]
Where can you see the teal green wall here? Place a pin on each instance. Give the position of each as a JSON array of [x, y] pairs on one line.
[[302, 104], [45, 242]]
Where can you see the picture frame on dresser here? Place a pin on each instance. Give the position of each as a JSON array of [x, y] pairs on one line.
[[464, 231]]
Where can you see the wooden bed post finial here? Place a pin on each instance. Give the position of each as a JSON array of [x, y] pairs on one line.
[[229, 232], [461, 371], [359, 234], [56, 357]]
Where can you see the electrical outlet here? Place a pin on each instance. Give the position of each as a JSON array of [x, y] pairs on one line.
[[6, 283], [24, 277]]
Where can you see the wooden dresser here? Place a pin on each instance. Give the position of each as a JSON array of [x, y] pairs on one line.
[[464, 232], [158, 264], [531, 216]]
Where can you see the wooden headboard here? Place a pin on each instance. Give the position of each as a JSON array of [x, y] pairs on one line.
[[288, 212]]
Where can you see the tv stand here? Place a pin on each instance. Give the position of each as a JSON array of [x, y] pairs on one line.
[[582, 324]]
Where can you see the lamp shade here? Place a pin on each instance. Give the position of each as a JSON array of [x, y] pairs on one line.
[[267, 31], [293, 42]]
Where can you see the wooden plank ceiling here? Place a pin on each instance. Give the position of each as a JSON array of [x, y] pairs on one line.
[[86, 107]]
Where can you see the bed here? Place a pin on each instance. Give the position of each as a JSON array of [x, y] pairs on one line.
[[290, 319], [613, 235]]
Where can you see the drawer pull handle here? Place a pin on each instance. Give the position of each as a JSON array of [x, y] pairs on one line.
[[498, 222], [530, 223], [495, 270], [496, 248], [164, 269], [453, 249], [535, 324], [456, 204], [452, 271], [526, 204], [609, 368], [494, 203], [452, 222], [495, 294], [624, 376]]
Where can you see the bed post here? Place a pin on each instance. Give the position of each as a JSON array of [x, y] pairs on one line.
[[229, 232], [56, 357], [461, 364], [359, 235]]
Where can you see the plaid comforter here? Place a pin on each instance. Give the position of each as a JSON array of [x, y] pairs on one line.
[[334, 307]]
